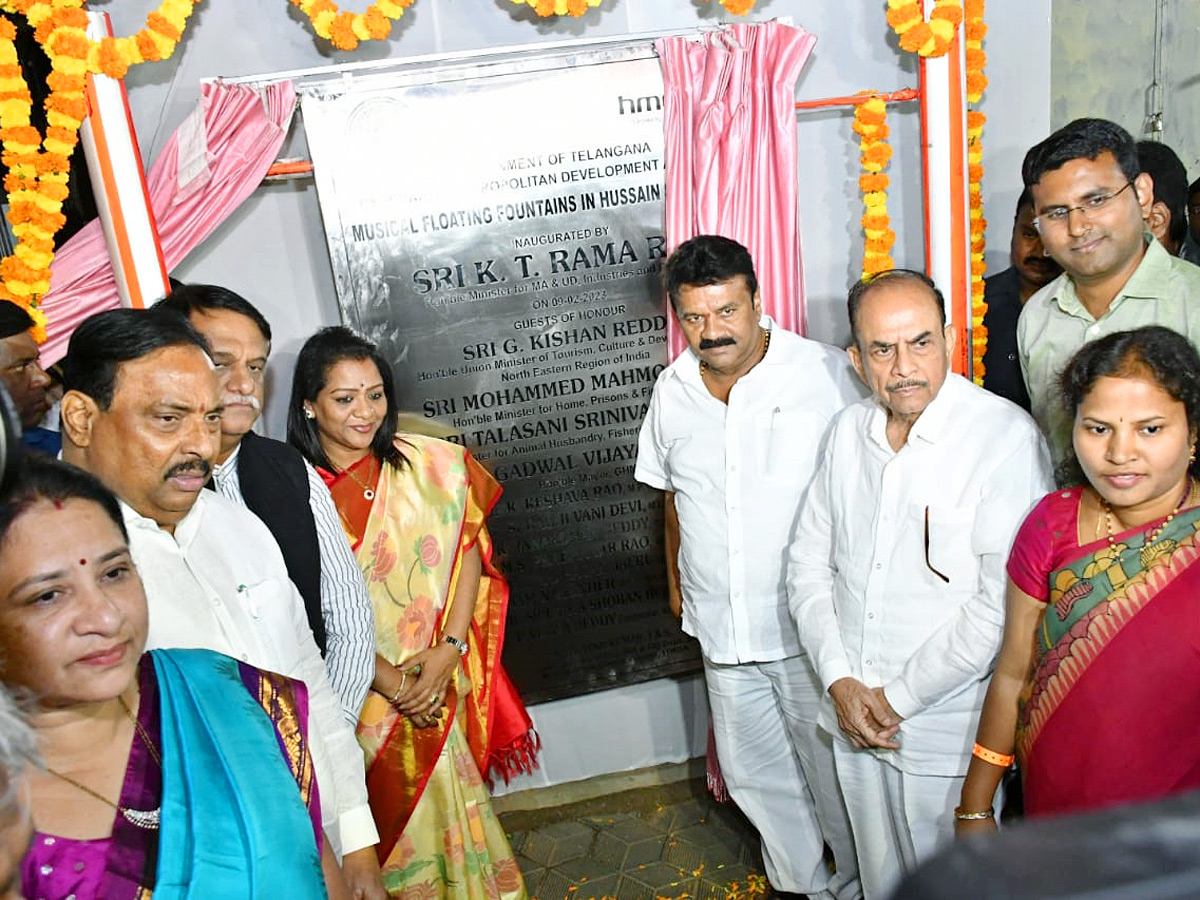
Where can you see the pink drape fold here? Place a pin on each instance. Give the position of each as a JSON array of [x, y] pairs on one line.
[[212, 162], [730, 164]]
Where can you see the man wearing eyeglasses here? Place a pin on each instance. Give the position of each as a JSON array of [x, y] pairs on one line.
[[896, 572], [1091, 202]]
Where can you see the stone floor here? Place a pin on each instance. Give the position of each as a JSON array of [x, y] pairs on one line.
[[669, 842]]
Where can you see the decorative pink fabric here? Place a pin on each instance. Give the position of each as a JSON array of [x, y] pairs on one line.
[[213, 162], [730, 122]]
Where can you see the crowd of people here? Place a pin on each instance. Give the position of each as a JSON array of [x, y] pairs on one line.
[[243, 662], [912, 597]]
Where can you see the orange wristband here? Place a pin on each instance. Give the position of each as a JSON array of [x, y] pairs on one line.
[[1003, 760]]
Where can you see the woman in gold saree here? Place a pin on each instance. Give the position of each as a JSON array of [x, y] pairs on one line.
[[442, 713]]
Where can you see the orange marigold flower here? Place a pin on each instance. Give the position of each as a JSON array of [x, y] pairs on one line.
[[64, 81], [576, 7], [110, 60], [341, 32], [979, 334], [915, 38], [158, 22], [71, 107], [879, 154], [68, 43], [544, 7], [874, 182], [379, 26], [951, 14], [8, 31], [147, 47], [875, 223]]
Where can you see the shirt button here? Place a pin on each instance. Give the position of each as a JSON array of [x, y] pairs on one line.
[[1012, 357], [870, 662], [870, 615], [878, 565]]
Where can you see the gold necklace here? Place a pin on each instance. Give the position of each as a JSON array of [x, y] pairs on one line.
[[368, 491], [766, 342], [147, 819], [1154, 535]]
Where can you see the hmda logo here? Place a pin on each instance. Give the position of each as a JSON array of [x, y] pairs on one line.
[[634, 105]]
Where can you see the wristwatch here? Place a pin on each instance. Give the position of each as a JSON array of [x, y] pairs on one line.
[[460, 646]]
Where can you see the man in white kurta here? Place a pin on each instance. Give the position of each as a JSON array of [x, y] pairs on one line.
[[142, 413], [896, 575], [732, 437]]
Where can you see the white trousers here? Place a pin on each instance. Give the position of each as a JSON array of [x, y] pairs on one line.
[[899, 820], [778, 766]]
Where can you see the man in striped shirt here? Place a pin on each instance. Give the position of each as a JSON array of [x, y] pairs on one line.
[[278, 486]]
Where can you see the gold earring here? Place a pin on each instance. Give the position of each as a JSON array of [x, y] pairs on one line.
[[1192, 456]]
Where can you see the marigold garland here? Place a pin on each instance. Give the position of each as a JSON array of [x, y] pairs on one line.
[[346, 29], [975, 30], [925, 37], [870, 123], [547, 8], [738, 7]]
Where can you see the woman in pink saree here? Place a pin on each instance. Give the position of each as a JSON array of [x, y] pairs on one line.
[[1097, 686]]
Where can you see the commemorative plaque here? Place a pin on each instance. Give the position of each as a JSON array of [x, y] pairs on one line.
[[498, 229]]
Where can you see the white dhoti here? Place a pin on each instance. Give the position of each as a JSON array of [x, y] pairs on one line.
[[779, 768], [899, 820]]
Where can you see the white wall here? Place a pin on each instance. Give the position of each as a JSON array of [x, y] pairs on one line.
[[1103, 53], [273, 250]]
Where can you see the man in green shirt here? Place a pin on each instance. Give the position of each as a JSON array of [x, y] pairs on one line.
[[1091, 201]]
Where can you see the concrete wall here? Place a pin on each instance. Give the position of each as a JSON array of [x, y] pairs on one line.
[[273, 250], [1102, 64]]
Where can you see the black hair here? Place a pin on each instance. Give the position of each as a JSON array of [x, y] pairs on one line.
[[1162, 164], [102, 342], [320, 353], [1026, 199], [1081, 139], [1194, 187], [13, 319], [707, 259], [39, 477], [1164, 355], [865, 284], [186, 299]]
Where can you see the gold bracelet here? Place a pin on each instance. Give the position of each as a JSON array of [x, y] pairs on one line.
[[972, 816], [1003, 760], [396, 696]]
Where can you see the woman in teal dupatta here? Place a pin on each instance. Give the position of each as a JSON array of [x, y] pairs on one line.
[[1097, 687], [173, 774]]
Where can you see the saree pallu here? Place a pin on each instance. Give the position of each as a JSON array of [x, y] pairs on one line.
[[233, 822], [1111, 713], [424, 517]]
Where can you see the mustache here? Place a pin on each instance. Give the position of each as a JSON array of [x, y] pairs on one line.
[[199, 467], [706, 344], [241, 400], [907, 383]]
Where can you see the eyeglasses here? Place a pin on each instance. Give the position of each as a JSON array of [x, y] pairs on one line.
[[1058, 218], [928, 564]]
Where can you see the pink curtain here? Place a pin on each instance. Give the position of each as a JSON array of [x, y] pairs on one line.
[[730, 122], [213, 162]]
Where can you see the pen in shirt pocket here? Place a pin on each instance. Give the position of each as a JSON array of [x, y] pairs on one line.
[[771, 453]]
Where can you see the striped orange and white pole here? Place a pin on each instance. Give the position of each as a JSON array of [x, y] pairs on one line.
[[119, 183], [943, 89]]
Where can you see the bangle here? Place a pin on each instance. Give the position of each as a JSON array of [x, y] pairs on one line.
[[396, 696], [1003, 760], [972, 816]]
